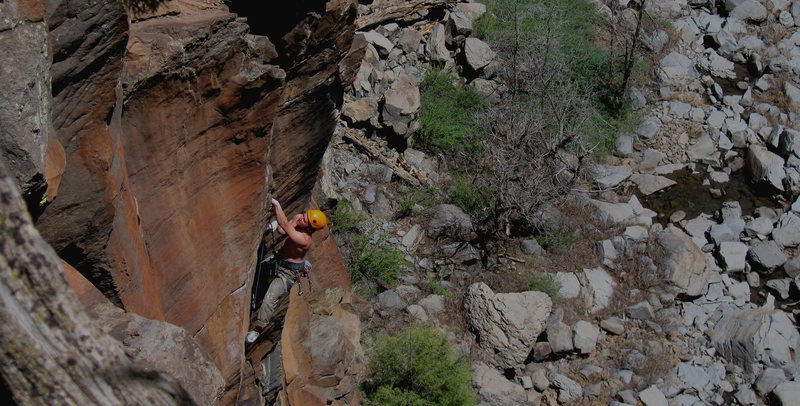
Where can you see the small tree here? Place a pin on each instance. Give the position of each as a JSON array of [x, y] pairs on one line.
[[418, 367], [534, 146]]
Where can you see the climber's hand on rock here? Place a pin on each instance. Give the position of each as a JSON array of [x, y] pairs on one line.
[[275, 203]]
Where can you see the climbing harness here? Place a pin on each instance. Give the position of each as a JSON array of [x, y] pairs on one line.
[[304, 273]]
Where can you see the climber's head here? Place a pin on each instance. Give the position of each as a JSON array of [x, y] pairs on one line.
[[316, 219]]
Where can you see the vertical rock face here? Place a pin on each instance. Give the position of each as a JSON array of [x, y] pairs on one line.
[[88, 40], [176, 132], [25, 99], [195, 130]]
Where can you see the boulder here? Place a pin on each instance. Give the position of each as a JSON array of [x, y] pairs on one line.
[[531, 247], [649, 127], [598, 288], [494, 388], [732, 255], [570, 286], [459, 23], [637, 98], [640, 311], [477, 53], [585, 336], [559, 335], [609, 176], [381, 43], [786, 393], [390, 300], [766, 256], [649, 184], [718, 66], [360, 110], [765, 167], [676, 69], [759, 226], [747, 337], [472, 9], [433, 304], [613, 325], [685, 266], [162, 346], [780, 288], [612, 213], [787, 231], [793, 94], [507, 323], [450, 221], [703, 150], [409, 40], [769, 380], [460, 253], [792, 267], [437, 48], [623, 146], [568, 390], [653, 396]]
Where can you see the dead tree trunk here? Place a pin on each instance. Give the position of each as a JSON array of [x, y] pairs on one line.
[[51, 353]]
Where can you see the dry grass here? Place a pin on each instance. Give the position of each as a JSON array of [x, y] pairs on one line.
[[775, 94]]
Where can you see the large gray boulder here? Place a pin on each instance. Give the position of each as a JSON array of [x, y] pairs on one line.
[[686, 267], [165, 347], [747, 337], [598, 288], [751, 11], [494, 388], [568, 389], [450, 221], [766, 256], [649, 184], [677, 69], [437, 47], [401, 104], [507, 323], [477, 53], [786, 393], [787, 231], [381, 43], [459, 23], [766, 167]]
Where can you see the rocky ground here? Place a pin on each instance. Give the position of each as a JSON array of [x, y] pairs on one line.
[[681, 287]]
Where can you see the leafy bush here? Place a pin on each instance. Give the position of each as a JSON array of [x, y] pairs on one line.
[[542, 282], [417, 367], [417, 200], [372, 260], [475, 200], [447, 113], [346, 217], [559, 239]]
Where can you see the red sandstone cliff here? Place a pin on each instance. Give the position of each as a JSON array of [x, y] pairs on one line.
[[177, 130]]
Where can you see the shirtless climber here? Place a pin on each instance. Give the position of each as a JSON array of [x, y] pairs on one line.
[[289, 262]]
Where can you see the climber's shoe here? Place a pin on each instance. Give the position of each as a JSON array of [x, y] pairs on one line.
[[251, 337]]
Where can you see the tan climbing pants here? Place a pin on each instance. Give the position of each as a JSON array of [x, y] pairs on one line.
[[282, 284]]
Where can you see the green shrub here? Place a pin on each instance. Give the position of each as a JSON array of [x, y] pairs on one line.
[[559, 239], [473, 199], [372, 260], [346, 217], [447, 113], [417, 367], [542, 282], [417, 200]]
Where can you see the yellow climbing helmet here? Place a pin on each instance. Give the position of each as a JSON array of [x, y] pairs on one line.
[[317, 218]]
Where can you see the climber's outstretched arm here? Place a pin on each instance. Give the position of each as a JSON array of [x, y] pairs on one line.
[[288, 227]]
